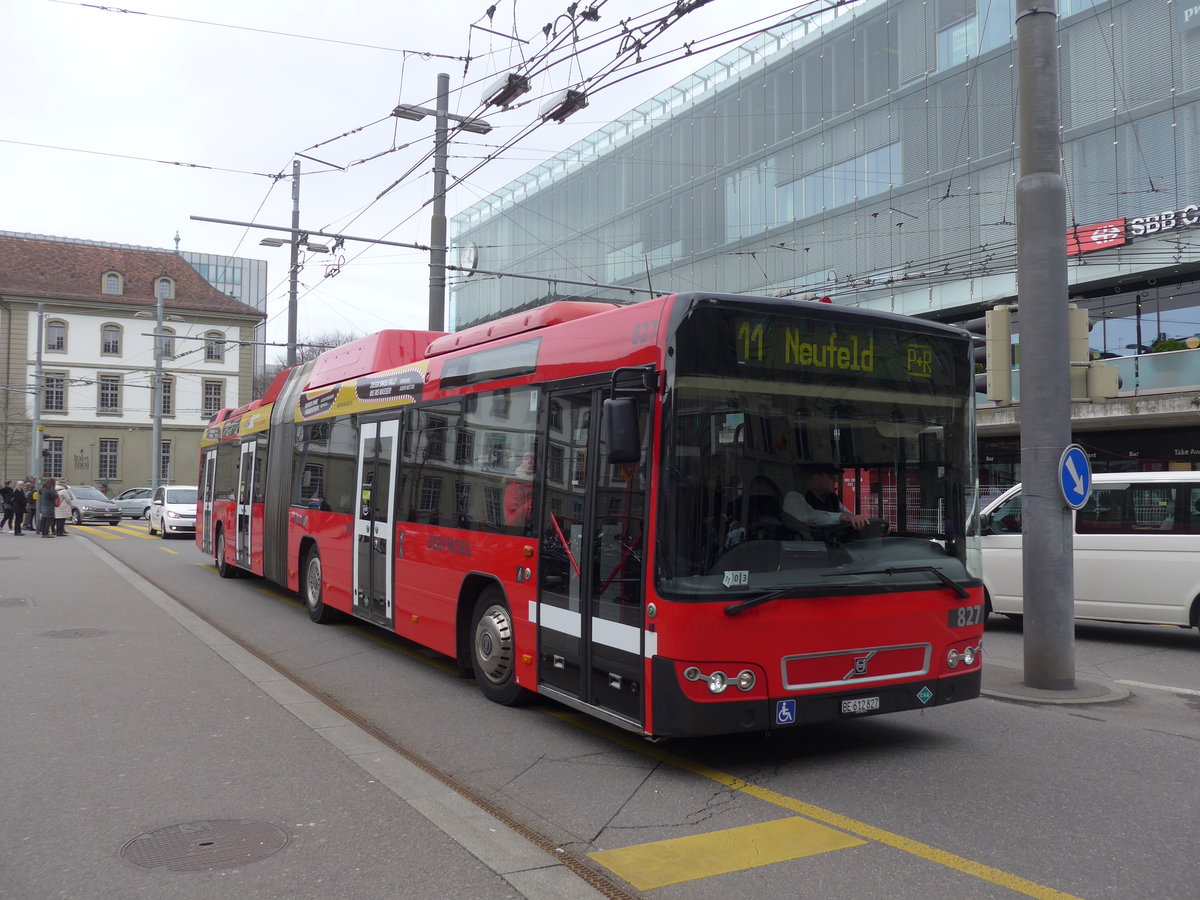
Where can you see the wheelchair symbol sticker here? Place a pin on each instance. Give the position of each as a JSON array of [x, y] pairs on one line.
[[785, 712]]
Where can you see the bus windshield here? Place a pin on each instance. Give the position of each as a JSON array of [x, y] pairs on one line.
[[810, 453]]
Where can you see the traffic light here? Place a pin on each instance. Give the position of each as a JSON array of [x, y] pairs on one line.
[[994, 354]]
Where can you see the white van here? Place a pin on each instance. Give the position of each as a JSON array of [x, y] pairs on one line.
[[1137, 550]]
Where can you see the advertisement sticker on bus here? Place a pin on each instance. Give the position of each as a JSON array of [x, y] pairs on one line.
[[395, 387]]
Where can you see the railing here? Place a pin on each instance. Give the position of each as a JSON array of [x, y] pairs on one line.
[[1170, 370]]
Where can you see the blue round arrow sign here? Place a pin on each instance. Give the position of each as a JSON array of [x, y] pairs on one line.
[[1075, 476]]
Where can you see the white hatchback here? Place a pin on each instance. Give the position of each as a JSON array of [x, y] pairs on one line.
[[1136, 556], [173, 510]]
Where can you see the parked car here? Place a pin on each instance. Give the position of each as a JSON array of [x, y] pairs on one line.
[[135, 502], [173, 510], [88, 504], [1136, 550]]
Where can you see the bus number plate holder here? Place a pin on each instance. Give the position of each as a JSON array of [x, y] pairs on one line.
[[859, 705]]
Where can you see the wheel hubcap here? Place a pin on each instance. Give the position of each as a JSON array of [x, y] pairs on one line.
[[313, 583], [494, 645]]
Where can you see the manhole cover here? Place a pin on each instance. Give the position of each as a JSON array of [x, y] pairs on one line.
[[75, 632], [200, 846]]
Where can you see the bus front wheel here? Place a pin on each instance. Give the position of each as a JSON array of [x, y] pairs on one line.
[[314, 589], [493, 652]]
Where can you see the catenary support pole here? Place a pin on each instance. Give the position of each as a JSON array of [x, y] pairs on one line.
[[294, 272], [437, 224], [35, 438], [1045, 373]]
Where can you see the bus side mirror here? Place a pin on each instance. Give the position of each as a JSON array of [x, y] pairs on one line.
[[621, 430]]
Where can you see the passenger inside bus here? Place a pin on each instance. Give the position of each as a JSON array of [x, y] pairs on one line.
[[518, 496]]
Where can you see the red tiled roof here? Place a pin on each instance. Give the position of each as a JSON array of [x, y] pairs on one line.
[[58, 270]]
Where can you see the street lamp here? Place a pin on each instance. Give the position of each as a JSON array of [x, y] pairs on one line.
[[437, 223], [156, 408]]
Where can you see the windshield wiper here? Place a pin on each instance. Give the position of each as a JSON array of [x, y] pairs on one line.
[[959, 591], [734, 608]]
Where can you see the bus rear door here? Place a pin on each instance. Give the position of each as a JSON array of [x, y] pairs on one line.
[[590, 596], [374, 521]]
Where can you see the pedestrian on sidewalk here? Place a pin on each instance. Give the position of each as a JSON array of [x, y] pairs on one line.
[[6, 495], [46, 495], [30, 506], [62, 510], [18, 508]]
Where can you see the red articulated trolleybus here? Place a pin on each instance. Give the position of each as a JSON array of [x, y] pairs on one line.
[[610, 506]]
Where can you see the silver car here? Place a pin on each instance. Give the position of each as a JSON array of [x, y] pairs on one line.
[[88, 504], [135, 502]]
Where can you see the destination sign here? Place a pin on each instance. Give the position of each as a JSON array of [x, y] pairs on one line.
[[790, 346]]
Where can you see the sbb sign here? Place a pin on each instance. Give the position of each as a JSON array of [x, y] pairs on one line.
[[1117, 232], [1165, 221]]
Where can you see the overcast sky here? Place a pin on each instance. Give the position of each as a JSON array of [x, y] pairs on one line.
[[120, 123]]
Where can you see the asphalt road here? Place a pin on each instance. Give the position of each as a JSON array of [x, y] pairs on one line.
[[991, 798]]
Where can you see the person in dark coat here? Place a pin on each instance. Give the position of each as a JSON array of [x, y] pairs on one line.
[[6, 495], [18, 505], [45, 507], [30, 506]]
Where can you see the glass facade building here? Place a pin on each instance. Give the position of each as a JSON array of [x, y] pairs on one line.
[[870, 153]]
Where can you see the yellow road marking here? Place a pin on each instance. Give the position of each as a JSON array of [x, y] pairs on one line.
[[169, 550], [828, 817], [103, 534], [661, 863]]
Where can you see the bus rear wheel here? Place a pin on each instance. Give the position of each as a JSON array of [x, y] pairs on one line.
[[493, 650], [224, 569], [314, 589]]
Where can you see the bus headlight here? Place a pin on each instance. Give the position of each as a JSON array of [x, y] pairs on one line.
[[718, 682], [966, 656]]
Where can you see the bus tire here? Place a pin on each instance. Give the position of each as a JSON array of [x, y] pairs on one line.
[[493, 651], [314, 589], [224, 569]]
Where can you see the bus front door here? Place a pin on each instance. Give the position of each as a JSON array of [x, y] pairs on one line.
[[590, 595], [374, 521]]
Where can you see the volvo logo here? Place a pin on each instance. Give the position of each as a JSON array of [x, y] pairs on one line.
[[860, 666]]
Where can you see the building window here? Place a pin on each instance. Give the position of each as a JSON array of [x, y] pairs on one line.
[[464, 447], [168, 396], [166, 342], [110, 340], [106, 466], [956, 44], [214, 398], [165, 289], [54, 392], [214, 346], [501, 403], [56, 335], [52, 457], [112, 283], [431, 493], [164, 462], [108, 399], [435, 437]]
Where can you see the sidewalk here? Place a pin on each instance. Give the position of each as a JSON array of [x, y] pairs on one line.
[[146, 755]]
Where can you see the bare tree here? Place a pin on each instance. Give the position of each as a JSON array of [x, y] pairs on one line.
[[306, 348]]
